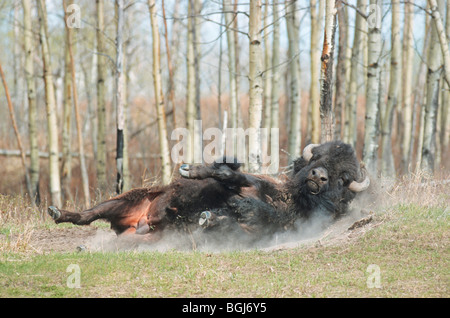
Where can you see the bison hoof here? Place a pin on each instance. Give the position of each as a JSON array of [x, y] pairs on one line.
[[205, 216], [54, 212], [184, 170]]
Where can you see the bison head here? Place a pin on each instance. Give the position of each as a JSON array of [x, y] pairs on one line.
[[327, 177]]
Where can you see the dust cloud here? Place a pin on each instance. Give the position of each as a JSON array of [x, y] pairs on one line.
[[319, 227], [305, 232]]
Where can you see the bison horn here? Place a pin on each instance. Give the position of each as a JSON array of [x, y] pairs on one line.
[[356, 186], [307, 151]]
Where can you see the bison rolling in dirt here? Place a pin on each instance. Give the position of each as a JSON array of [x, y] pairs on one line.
[[219, 197]]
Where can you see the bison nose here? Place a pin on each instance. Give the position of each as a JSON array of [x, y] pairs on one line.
[[319, 175]]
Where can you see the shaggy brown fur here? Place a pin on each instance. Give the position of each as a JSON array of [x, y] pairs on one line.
[[255, 204]]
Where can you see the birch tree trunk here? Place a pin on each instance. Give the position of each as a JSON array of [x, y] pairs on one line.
[[275, 86], [372, 90], [31, 93], [191, 90], [387, 162], [170, 67], [255, 89], [356, 58], [407, 87], [119, 82], [445, 119], [341, 70], [17, 97], [159, 97], [237, 50], [326, 77], [295, 134], [101, 156], [267, 69], [55, 186], [432, 100], [197, 5], [228, 8], [126, 161], [315, 64], [415, 153], [66, 161], [442, 38], [84, 173]]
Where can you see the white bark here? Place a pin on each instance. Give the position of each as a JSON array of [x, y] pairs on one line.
[[267, 69], [52, 126], [275, 85], [442, 39], [316, 22], [256, 84], [370, 149], [407, 88], [326, 77], [432, 102], [159, 97], [101, 156], [356, 58], [190, 94], [295, 134], [387, 162], [119, 83], [228, 7], [31, 93]]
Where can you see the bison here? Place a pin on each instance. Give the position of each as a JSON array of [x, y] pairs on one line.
[[219, 197]]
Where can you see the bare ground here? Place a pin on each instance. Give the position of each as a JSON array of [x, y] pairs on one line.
[[94, 238]]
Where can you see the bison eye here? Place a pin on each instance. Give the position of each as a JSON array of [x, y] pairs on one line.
[[341, 182]]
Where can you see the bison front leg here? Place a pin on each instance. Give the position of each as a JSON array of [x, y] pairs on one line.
[[226, 172]]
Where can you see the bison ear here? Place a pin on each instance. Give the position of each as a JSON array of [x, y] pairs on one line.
[[231, 162], [299, 164]]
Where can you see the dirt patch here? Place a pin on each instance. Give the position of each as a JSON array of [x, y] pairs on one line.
[[60, 239], [92, 238]]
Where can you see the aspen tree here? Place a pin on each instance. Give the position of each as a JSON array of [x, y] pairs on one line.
[[101, 155], [256, 84], [31, 93], [84, 173], [159, 97], [387, 162], [295, 135], [326, 76], [52, 126], [432, 100], [370, 149]]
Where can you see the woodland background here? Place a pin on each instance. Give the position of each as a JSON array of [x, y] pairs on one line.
[[88, 110]]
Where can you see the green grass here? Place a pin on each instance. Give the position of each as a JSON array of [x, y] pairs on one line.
[[410, 247]]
